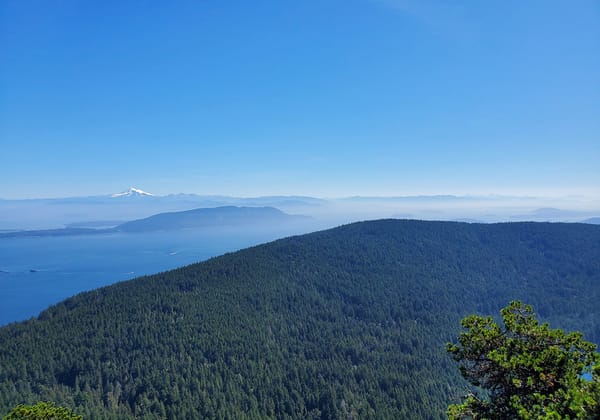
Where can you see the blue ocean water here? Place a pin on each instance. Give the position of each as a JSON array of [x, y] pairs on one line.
[[36, 272]]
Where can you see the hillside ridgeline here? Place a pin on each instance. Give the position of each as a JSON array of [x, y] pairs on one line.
[[348, 321]]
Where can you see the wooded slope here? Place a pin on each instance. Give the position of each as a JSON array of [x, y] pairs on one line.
[[348, 320]]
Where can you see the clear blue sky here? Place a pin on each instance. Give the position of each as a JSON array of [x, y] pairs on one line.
[[324, 98]]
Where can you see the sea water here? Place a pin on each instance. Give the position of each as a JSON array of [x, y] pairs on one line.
[[36, 272]]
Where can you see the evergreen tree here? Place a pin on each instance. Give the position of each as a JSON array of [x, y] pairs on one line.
[[41, 411], [528, 370]]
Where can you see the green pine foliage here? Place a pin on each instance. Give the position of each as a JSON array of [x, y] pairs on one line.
[[345, 323], [41, 411], [528, 370]]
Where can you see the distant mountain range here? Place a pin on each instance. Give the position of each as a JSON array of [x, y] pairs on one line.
[[135, 203], [218, 217]]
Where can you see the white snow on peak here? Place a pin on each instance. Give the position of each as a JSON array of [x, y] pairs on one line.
[[132, 192]]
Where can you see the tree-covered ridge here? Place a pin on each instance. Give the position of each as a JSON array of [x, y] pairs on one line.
[[349, 321]]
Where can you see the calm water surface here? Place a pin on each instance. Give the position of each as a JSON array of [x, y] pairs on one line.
[[38, 272]]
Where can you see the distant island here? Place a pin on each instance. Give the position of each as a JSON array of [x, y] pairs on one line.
[[224, 216], [205, 217]]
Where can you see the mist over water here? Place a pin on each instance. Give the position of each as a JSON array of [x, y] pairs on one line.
[[102, 212]]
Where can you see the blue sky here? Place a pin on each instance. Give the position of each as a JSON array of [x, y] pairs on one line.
[[324, 98]]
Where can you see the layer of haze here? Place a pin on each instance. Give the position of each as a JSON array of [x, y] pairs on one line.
[[326, 98]]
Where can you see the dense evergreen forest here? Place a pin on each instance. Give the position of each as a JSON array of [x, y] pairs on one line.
[[346, 323]]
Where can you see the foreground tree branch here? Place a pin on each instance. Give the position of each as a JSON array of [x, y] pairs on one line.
[[526, 369]]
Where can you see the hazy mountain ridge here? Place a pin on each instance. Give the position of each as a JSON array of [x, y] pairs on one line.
[[216, 217], [35, 214], [55, 213], [349, 320]]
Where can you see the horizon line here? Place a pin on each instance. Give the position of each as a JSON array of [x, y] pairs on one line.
[[493, 195]]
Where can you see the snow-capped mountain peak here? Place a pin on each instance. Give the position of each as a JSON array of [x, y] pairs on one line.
[[133, 192]]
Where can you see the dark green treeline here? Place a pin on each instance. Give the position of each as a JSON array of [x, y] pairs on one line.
[[349, 321]]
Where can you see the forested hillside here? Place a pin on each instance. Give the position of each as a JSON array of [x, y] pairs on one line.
[[349, 321]]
